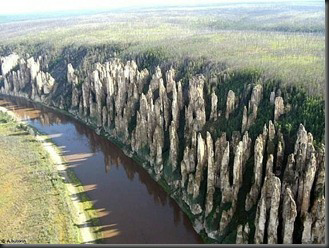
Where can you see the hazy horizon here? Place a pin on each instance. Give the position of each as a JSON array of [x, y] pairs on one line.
[[17, 7]]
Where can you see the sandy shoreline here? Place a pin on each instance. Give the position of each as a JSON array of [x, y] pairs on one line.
[[80, 217]]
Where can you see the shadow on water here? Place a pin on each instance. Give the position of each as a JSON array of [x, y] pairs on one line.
[[114, 183]]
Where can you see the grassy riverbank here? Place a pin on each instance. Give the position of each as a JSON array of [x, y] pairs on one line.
[[35, 206]]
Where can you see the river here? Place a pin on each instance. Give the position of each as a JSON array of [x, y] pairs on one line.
[[132, 207]]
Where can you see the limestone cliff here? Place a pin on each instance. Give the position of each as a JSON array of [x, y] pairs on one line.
[[219, 166]]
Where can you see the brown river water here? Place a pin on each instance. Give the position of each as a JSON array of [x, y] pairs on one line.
[[131, 206]]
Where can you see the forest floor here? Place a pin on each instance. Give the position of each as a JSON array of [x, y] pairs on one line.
[[37, 198]]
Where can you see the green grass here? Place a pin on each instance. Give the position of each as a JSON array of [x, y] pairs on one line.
[[34, 205], [87, 205]]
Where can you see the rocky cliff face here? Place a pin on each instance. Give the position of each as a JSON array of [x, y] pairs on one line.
[[218, 175], [7, 63]]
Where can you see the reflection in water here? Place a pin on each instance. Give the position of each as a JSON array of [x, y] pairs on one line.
[[31, 111], [126, 212]]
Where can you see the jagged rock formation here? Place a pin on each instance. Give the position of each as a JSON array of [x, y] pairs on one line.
[[29, 75], [258, 172], [242, 236], [211, 174], [213, 113], [268, 205], [173, 145], [195, 115], [8, 62], [278, 107], [230, 103], [255, 99], [71, 76], [208, 167], [289, 214]]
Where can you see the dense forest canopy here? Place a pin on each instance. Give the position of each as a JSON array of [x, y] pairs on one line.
[[284, 39]]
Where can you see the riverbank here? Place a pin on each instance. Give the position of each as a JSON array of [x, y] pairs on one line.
[[52, 214], [138, 159], [195, 222]]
